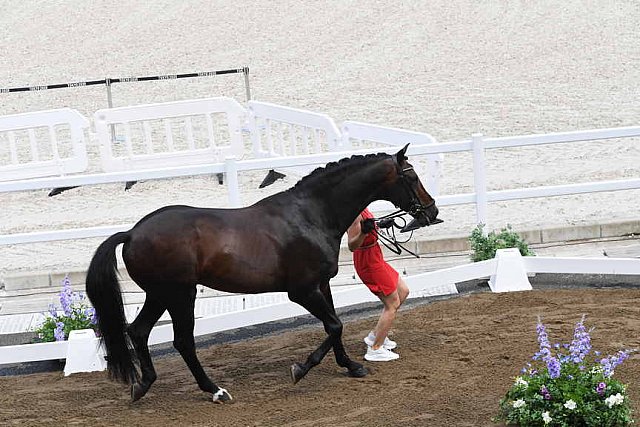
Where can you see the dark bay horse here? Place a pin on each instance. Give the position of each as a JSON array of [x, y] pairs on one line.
[[288, 242]]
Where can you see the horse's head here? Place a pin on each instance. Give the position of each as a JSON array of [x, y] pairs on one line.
[[407, 192]]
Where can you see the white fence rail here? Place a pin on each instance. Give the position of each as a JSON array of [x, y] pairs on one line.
[[441, 282], [271, 127]]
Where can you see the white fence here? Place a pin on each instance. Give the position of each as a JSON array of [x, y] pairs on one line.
[[152, 128], [270, 128], [507, 272]]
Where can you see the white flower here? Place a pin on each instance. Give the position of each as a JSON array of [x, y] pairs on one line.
[[596, 369], [570, 404], [519, 403], [520, 381], [614, 399], [546, 417]]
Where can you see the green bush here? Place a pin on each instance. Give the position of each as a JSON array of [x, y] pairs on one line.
[[485, 247]]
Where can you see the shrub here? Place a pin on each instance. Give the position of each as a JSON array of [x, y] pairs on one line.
[[566, 386], [485, 247], [76, 314]]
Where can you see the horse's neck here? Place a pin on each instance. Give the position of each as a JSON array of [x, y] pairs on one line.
[[340, 201]]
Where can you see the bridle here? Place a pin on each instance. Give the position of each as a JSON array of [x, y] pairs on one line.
[[417, 210]]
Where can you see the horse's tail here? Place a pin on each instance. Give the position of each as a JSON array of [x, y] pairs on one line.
[[103, 290]]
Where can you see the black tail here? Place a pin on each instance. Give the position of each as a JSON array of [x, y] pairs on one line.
[[103, 290]]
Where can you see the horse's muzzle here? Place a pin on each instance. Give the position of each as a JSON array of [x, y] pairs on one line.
[[423, 218]]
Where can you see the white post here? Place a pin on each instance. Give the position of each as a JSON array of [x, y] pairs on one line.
[[245, 71], [232, 182], [479, 179], [84, 353], [511, 274]]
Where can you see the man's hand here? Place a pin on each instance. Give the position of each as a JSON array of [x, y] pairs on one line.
[[367, 225]]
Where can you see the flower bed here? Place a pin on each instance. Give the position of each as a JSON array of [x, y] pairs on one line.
[[76, 314], [568, 386]]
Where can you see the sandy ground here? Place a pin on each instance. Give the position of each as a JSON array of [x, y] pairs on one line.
[[449, 69], [458, 358]]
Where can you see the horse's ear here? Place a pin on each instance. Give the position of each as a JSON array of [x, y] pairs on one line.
[[400, 155]]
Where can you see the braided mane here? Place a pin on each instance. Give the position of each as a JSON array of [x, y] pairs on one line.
[[340, 166]]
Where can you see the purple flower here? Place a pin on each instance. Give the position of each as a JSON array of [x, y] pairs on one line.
[[609, 363], [600, 388], [66, 296], [59, 331], [545, 393], [543, 340], [52, 310], [581, 344], [92, 315], [553, 364]]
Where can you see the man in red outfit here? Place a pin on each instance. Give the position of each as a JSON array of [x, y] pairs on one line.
[[381, 279]]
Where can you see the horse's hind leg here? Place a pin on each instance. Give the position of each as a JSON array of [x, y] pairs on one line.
[[181, 308], [139, 332], [316, 303]]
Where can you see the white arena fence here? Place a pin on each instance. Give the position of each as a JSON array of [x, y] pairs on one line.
[[201, 137], [507, 272]]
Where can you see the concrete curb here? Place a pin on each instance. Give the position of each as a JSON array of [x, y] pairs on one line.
[[439, 244]]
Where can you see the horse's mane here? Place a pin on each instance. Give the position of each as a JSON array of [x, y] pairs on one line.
[[339, 167]]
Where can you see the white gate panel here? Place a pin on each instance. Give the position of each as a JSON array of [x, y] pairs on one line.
[[278, 131], [42, 143], [169, 134]]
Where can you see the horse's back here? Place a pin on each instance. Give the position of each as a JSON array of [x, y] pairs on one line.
[[228, 249]]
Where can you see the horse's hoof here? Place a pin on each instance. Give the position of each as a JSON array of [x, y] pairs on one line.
[[358, 372], [137, 391], [222, 396], [297, 372]]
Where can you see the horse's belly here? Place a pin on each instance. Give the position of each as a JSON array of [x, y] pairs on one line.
[[241, 283]]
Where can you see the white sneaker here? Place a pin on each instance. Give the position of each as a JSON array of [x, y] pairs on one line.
[[380, 355], [388, 344]]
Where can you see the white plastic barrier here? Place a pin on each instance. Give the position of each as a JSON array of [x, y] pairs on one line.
[[170, 134], [283, 131], [42, 143], [278, 131]]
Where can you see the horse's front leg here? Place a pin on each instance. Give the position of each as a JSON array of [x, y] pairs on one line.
[[317, 305], [342, 359]]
